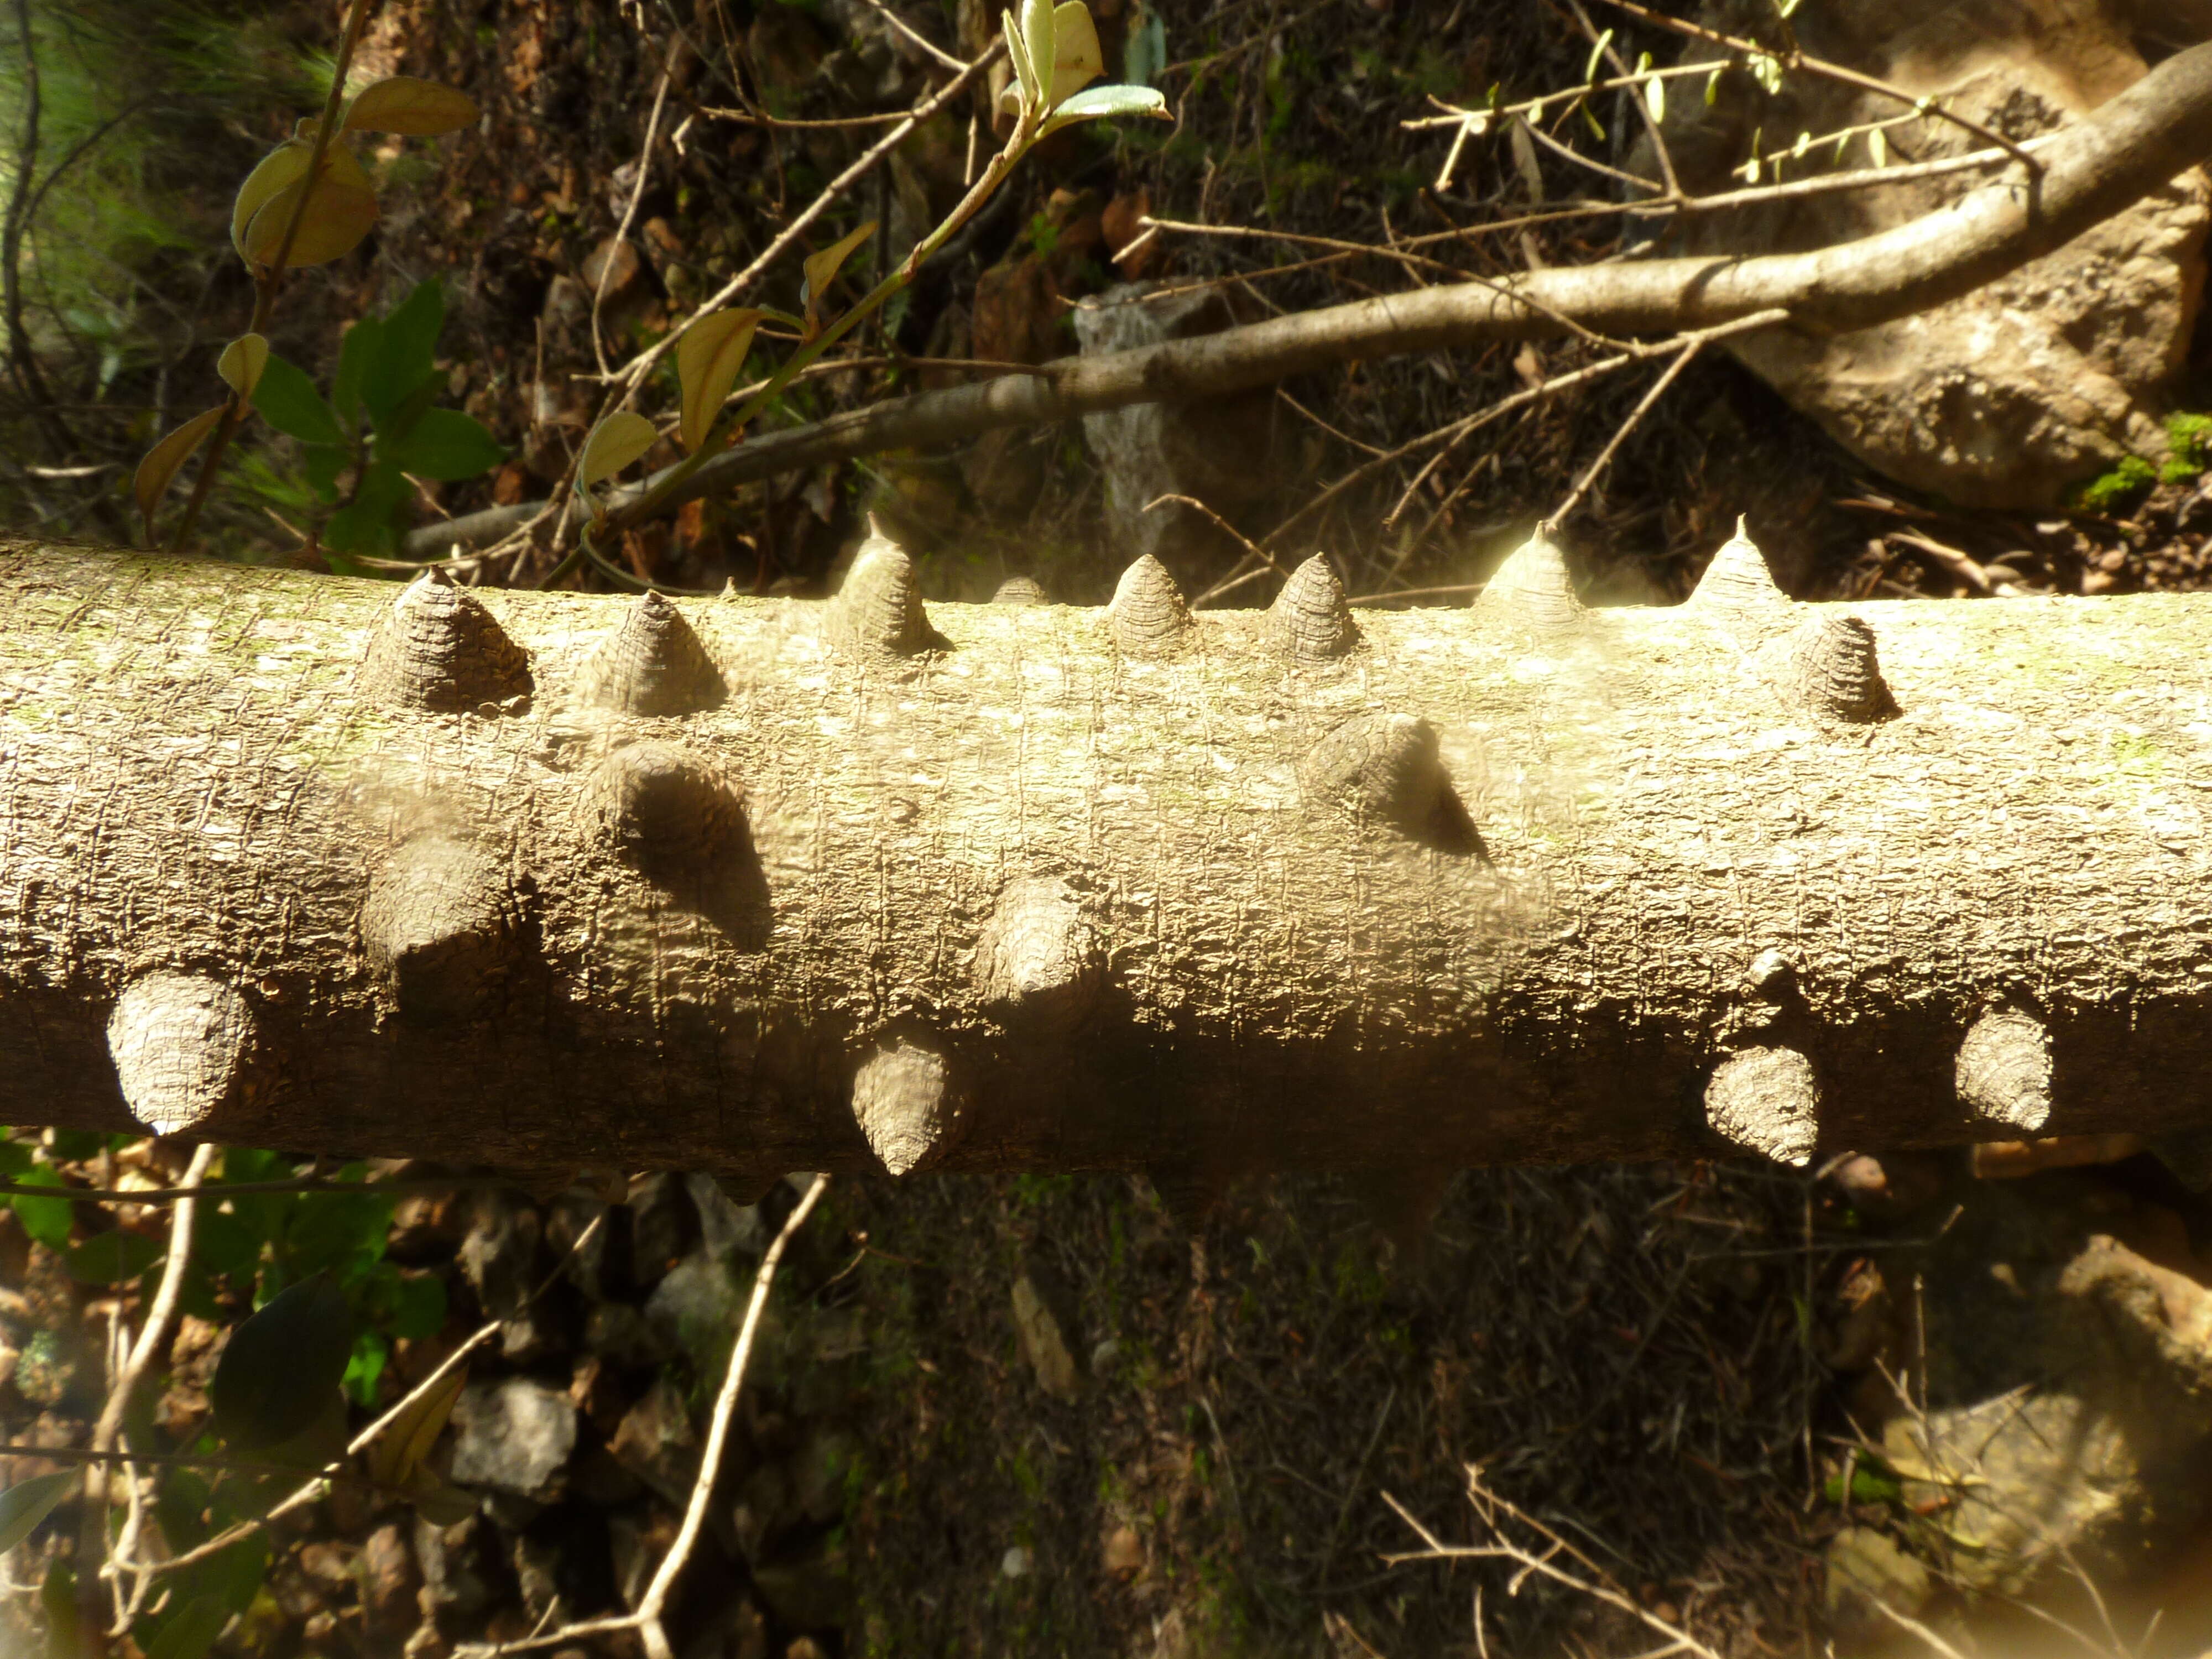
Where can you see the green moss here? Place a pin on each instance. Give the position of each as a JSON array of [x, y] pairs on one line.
[[2124, 485]]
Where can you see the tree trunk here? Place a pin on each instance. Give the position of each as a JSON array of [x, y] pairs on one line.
[[546, 880]]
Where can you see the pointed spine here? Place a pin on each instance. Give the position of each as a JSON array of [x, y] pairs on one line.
[[1533, 588], [667, 811], [1036, 955], [1148, 614], [1738, 583], [905, 1104], [1310, 619], [439, 928], [439, 651], [1766, 1101], [1019, 590], [181, 1044], [878, 612], [654, 665], [1830, 666], [1379, 767], [2003, 1072]]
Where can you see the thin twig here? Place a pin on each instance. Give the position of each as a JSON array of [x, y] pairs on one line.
[[629, 213], [956, 64]]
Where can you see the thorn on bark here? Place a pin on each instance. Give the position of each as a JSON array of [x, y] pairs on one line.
[[439, 928], [904, 1103], [1738, 583], [878, 612], [1036, 954], [1385, 768], [439, 650], [1310, 618], [2004, 1070], [668, 812], [1533, 588], [180, 1044], [1019, 590], [654, 665], [1767, 1101], [1147, 614], [1829, 665]]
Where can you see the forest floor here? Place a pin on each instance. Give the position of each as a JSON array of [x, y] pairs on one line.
[[1037, 1417]]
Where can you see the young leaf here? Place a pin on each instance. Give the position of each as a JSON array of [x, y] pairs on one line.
[[279, 1367], [395, 428], [445, 445], [242, 362], [709, 360], [406, 350], [398, 1452], [159, 467], [288, 400], [614, 444], [822, 269], [1025, 89], [1597, 56], [1088, 105], [27, 1502], [412, 108], [1038, 24], [283, 165], [323, 464], [1076, 60], [341, 209], [365, 524], [1878, 147], [190, 1630]]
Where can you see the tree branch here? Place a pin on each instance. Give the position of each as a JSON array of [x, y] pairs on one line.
[[2136, 143]]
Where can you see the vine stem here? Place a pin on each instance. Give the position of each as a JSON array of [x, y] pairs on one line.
[[267, 284]]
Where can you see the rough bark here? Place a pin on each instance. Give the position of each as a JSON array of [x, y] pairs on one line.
[[1025, 886], [2134, 144]]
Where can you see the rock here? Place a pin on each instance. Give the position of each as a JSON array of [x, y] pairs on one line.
[[515, 1436], [656, 1443], [1868, 1570], [696, 1307], [813, 1593], [2008, 395], [620, 1335], [729, 1232], [450, 1579], [1219, 451], [499, 1258], [818, 1473], [662, 1224], [1044, 1339]]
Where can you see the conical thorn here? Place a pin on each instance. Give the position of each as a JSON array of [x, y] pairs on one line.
[[2004, 1073], [1147, 613], [1310, 618], [1533, 587], [1767, 1101], [439, 650], [1828, 666], [878, 610], [439, 928], [1738, 583], [181, 1044], [905, 1104], [1019, 590], [654, 665]]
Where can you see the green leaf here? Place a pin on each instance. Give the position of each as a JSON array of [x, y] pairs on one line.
[[1597, 56], [224, 1243], [394, 428], [404, 355], [445, 445], [78, 1146], [363, 343], [112, 1257], [14, 1158], [46, 1219], [58, 1601], [325, 463], [27, 1502], [1146, 54], [190, 1630], [418, 1307], [288, 400], [279, 1367], [370, 1352], [365, 526], [1092, 102]]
